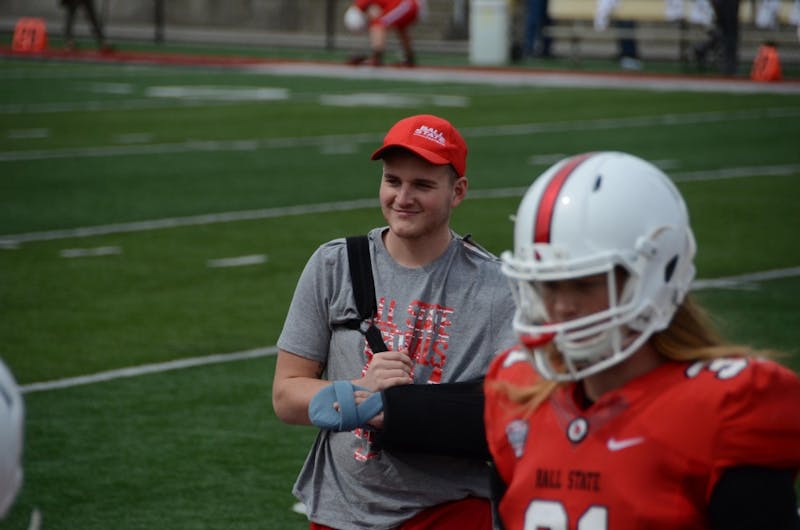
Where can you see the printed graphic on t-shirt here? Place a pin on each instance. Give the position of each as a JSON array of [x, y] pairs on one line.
[[425, 333]]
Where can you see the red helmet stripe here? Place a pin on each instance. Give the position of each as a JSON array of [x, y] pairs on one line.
[[547, 205]]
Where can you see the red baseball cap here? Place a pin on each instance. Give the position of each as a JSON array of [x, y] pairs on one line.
[[430, 137]]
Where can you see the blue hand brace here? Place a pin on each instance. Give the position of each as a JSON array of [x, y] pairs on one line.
[[349, 416]]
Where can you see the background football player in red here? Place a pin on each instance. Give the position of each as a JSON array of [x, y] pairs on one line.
[[382, 15], [621, 407]]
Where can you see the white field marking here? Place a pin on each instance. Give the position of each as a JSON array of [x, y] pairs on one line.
[[36, 519], [450, 101], [545, 160], [370, 100], [338, 149], [26, 134], [666, 164], [112, 88], [133, 138], [13, 240], [745, 281], [522, 129], [493, 77], [90, 106], [189, 146], [195, 220], [218, 93], [240, 261], [273, 350], [145, 369], [90, 252], [77, 72], [381, 99], [504, 77], [736, 172]]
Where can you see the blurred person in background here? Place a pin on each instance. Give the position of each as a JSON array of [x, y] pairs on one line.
[[621, 406], [379, 17], [722, 45], [71, 7], [537, 17], [726, 14]]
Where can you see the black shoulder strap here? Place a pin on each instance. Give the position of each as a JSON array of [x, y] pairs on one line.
[[364, 291], [361, 276]]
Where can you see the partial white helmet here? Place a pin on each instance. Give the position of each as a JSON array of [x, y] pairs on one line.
[[12, 417], [607, 213], [355, 20]]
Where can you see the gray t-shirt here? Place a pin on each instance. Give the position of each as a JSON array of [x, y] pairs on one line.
[[454, 315]]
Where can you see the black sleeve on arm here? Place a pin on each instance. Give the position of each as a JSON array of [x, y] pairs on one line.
[[754, 498], [443, 419]]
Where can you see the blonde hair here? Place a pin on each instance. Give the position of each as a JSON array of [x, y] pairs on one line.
[[690, 336]]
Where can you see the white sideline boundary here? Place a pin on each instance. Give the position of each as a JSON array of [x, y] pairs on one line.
[[135, 371], [528, 78]]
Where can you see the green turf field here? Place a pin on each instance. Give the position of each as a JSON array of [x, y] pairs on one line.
[[169, 169]]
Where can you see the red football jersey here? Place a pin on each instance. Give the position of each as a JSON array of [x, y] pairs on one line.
[[384, 4], [645, 456], [395, 13]]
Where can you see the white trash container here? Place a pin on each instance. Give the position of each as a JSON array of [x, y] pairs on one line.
[[489, 32]]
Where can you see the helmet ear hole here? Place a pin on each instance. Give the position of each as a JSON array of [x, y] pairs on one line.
[[669, 269]]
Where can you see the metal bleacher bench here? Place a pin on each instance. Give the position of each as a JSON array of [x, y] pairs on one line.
[[574, 35]]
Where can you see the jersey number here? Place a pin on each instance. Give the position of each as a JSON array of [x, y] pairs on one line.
[[551, 515]]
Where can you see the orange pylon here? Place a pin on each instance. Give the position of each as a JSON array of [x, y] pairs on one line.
[[767, 64], [30, 35]]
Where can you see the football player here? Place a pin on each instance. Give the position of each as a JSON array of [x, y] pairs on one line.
[[380, 16], [621, 407]]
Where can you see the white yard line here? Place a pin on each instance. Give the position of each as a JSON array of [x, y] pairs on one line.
[[252, 144], [238, 261], [145, 369], [11, 241], [194, 220], [135, 371], [745, 280], [96, 106], [89, 252]]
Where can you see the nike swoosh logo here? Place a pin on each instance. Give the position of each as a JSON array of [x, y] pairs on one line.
[[618, 445]]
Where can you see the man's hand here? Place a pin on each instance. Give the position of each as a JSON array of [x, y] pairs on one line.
[[377, 420], [386, 369]]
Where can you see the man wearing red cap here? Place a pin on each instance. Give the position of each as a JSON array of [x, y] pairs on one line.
[[443, 310]]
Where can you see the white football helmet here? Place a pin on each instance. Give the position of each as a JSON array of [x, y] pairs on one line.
[[12, 416], [599, 213]]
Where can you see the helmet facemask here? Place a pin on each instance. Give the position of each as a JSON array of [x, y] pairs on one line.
[[587, 343]]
